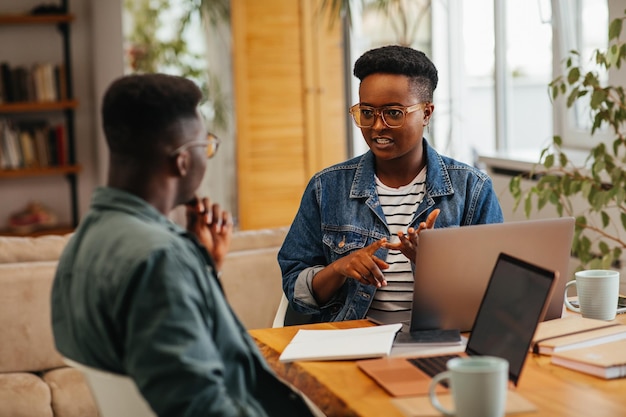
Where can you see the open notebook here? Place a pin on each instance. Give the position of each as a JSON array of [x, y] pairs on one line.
[[513, 304]]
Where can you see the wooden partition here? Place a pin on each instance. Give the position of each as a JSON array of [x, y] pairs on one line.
[[289, 102]]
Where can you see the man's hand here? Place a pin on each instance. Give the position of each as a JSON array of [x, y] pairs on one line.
[[408, 243], [212, 226], [363, 265]]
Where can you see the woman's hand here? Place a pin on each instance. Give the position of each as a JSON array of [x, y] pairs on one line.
[[212, 226], [408, 243], [363, 266]]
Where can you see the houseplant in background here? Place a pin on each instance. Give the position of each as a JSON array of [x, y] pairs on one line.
[[403, 16], [600, 233], [158, 38]]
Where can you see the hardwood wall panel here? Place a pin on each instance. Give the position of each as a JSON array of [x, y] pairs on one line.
[[281, 134]]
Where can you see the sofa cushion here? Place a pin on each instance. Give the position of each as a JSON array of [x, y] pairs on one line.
[[258, 239], [251, 276], [24, 395], [253, 285], [71, 396], [26, 343], [27, 249]]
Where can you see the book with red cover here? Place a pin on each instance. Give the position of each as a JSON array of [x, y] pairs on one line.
[[60, 148]]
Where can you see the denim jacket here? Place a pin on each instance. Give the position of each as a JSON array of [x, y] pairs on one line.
[[340, 212]]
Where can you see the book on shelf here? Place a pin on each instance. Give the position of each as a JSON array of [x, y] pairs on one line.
[[4, 156], [607, 360], [31, 145], [60, 81], [60, 145], [11, 147], [7, 82], [575, 332], [2, 88], [40, 82], [27, 142], [41, 146]]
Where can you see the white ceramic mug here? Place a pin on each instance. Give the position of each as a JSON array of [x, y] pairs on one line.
[[598, 290], [478, 385]]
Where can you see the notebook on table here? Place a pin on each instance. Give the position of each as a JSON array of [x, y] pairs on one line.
[[515, 301]]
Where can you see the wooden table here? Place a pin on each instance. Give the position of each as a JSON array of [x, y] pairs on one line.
[[340, 389]]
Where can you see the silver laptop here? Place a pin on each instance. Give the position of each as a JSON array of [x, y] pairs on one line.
[[514, 302], [453, 266]]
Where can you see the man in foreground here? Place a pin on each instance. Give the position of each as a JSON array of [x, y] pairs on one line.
[[134, 293]]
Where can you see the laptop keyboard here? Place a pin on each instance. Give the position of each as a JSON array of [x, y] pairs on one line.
[[432, 365]]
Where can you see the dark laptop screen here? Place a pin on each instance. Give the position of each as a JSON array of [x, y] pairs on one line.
[[510, 310]]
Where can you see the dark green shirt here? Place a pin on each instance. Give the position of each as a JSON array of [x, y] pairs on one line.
[[135, 294]]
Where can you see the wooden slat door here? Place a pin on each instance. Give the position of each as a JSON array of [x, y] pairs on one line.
[[289, 102]]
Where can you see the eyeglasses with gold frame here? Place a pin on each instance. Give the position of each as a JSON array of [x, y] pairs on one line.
[[211, 143], [393, 116]]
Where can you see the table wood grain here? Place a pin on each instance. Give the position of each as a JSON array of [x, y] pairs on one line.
[[341, 389]]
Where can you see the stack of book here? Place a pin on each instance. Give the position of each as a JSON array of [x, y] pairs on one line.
[[594, 347], [36, 83], [31, 145]]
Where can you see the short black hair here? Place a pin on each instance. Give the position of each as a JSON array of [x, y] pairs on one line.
[[139, 111], [402, 60]]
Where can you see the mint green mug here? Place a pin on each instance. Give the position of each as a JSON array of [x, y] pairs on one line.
[[478, 385]]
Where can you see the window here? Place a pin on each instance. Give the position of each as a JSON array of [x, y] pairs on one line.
[[582, 26], [500, 65], [496, 59]]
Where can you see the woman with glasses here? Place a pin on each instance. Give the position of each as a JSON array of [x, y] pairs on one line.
[[349, 251]]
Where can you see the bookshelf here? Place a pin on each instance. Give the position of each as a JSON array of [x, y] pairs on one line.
[[61, 161]]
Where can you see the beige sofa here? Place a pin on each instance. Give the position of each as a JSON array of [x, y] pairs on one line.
[[34, 381]]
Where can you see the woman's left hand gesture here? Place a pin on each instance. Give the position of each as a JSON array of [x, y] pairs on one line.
[[408, 243]]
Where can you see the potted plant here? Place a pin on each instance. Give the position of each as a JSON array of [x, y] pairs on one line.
[[600, 231]]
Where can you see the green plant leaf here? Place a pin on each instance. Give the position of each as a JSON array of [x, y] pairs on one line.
[[615, 29], [591, 80], [528, 204], [605, 221], [604, 248], [555, 91], [597, 98], [573, 75], [613, 56], [573, 96], [515, 186]]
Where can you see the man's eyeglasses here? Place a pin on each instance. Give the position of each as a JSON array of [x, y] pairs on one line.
[[211, 143], [393, 116]]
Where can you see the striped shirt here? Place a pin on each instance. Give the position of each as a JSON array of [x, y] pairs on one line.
[[399, 206]]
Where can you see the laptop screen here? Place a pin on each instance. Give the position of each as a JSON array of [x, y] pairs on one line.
[[511, 308]]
